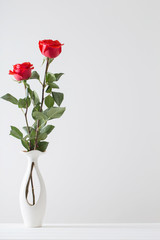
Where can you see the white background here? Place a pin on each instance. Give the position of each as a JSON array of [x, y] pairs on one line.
[[103, 161]]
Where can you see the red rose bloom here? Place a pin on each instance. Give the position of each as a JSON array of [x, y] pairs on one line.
[[22, 71], [50, 48]]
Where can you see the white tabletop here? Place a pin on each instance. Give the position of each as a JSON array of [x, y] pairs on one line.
[[81, 232]]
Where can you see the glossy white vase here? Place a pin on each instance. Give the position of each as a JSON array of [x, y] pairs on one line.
[[33, 214]]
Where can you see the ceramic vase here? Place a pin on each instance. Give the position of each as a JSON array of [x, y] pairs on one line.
[[32, 214]]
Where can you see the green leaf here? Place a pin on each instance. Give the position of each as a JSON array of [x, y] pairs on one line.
[[42, 123], [30, 92], [49, 101], [58, 75], [49, 89], [42, 136], [42, 146], [58, 97], [32, 134], [8, 97], [32, 144], [34, 97], [15, 132], [47, 129], [34, 75], [39, 115], [50, 60], [50, 77], [53, 85], [36, 109], [53, 112], [34, 124], [26, 129], [24, 102], [25, 144]]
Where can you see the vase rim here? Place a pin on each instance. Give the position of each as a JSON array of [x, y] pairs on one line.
[[33, 153]]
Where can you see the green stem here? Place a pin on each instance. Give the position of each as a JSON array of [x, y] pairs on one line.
[[42, 101], [25, 114], [32, 186]]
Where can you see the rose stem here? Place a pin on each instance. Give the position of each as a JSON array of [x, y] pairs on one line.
[[32, 183], [30, 178], [43, 87], [26, 92], [27, 187]]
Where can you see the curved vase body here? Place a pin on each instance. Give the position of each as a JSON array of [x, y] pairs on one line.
[[33, 214]]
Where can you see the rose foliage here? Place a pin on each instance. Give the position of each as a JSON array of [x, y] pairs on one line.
[[43, 107]]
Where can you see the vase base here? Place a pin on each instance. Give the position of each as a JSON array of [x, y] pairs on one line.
[[32, 226]]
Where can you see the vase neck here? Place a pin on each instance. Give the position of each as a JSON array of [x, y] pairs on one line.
[[32, 160], [33, 155]]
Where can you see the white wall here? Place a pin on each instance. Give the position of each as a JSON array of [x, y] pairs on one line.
[[103, 161]]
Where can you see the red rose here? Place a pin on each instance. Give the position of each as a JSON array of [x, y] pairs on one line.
[[22, 71], [50, 48]]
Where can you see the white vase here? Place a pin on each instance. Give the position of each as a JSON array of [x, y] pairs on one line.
[[33, 214]]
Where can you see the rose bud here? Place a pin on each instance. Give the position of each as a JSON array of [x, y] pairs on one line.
[[50, 48], [22, 71]]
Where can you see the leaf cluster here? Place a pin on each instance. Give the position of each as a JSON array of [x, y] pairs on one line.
[[40, 128]]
